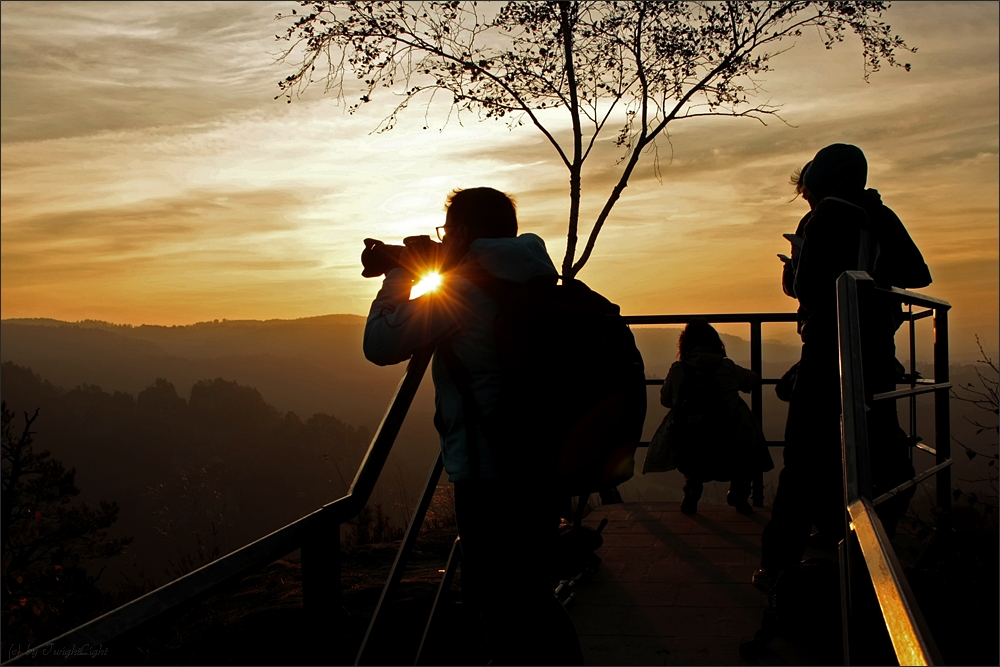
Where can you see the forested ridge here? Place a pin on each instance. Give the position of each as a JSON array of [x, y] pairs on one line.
[[194, 477]]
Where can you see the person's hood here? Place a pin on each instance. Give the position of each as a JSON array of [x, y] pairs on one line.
[[702, 358], [838, 170], [516, 259]]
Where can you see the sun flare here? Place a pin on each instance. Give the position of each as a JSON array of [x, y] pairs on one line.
[[428, 283]]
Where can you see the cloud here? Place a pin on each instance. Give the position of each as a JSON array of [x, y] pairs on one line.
[[150, 176], [220, 229], [80, 68]]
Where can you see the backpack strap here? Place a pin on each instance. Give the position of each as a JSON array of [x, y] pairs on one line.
[[499, 289], [869, 244]]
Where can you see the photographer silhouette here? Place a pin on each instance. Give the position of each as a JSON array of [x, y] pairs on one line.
[[500, 511]]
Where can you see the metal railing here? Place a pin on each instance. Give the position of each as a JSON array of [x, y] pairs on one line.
[[756, 364], [856, 293], [318, 534]]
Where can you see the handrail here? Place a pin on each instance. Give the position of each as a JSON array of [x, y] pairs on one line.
[[405, 547], [908, 632], [907, 629], [721, 318], [318, 532], [413, 528], [201, 582]]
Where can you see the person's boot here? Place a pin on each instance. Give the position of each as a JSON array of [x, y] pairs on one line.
[[737, 497], [742, 505], [611, 496], [764, 580], [692, 494]]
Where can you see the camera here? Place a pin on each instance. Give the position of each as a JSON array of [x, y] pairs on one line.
[[422, 255]]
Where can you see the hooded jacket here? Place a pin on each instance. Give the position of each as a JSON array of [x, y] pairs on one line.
[[462, 314], [850, 229], [731, 378]]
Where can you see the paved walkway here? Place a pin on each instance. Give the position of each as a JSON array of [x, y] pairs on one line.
[[672, 589]]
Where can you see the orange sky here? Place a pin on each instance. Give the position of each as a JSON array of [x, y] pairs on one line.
[[150, 177]]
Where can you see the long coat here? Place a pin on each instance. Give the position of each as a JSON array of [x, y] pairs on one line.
[[730, 380]]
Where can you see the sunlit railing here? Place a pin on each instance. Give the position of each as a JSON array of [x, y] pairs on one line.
[[904, 622], [318, 534]]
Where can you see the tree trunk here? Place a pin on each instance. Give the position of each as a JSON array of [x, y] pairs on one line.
[[577, 163]]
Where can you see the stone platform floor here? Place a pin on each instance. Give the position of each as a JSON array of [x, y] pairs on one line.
[[672, 589]]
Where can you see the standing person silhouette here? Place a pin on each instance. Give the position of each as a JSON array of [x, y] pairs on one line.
[[507, 523], [848, 229]]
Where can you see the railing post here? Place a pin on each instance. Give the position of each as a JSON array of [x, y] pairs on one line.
[[371, 466], [405, 547], [454, 559], [904, 622], [942, 408], [757, 400], [854, 292], [913, 376], [843, 552], [851, 286], [321, 590]]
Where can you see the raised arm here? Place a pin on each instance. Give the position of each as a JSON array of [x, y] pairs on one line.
[[397, 327], [747, 379]]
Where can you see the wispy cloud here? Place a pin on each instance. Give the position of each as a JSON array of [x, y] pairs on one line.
[[78, 68], [149, 175]]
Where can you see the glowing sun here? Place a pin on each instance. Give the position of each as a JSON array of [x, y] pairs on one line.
[[428, 283]]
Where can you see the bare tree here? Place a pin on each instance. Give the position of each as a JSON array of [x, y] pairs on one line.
[[625, 67], [982, 396]]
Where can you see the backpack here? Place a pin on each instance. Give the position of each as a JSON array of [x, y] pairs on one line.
[[898, 260], [886, 251], [707, 442], [572, 397]]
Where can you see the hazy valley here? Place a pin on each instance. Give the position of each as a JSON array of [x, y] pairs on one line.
[[211, 456]]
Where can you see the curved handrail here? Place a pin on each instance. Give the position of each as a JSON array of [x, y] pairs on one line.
[[205, 580], [201, 582]]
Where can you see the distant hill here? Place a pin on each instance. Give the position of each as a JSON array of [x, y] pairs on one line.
[[306, 365], [95, 378], [316, 364]]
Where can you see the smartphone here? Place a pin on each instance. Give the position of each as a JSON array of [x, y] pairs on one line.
[[794, 240]]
